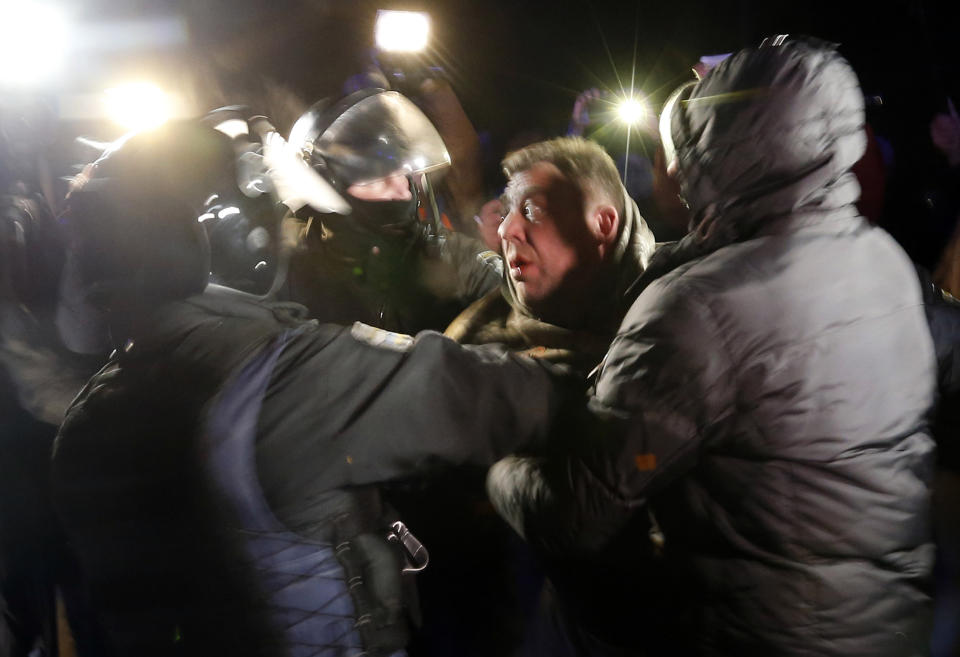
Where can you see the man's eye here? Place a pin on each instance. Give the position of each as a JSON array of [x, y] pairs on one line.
[[529, 211]]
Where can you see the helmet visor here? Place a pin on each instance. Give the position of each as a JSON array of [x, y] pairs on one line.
[[681, 94], [381, 135]]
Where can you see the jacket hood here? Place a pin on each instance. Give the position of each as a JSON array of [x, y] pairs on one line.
[[635, 245], [772, 131]]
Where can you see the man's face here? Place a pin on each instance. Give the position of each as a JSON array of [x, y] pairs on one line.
[[488, 223], [395, 187], [548, 247]]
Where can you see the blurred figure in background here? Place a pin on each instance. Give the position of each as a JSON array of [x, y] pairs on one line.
[[945, 134], [633, 146], [39, 376], [947, 273], [488, 223], [943, 315]]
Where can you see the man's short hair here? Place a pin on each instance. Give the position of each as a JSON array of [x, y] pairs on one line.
[[584, 163]]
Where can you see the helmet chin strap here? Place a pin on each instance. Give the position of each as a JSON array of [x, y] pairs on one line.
[[427, 188]]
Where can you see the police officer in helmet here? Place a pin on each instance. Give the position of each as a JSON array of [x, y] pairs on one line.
[[389, 261]]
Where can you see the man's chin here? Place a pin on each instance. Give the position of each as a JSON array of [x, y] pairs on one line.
[[553, 309], [536, 304]]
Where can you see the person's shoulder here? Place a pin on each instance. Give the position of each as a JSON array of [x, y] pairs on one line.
[[674, 302], [209, 330], [681, 281]]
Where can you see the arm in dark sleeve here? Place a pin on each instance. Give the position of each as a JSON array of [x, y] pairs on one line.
[[479, 270], [360, 406], [664, 387]]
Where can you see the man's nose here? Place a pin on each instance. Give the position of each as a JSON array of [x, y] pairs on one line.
[[398, 188], [511, 228]]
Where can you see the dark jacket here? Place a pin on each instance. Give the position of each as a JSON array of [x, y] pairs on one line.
[[406, 282], [38, 379], [767, 396], [342, 409]]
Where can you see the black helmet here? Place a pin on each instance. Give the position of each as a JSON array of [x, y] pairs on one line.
[[161, 214]]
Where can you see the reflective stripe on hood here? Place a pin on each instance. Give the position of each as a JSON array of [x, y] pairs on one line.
[[770, 132]]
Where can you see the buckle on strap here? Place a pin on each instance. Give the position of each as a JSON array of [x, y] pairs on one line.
[[414, 552]]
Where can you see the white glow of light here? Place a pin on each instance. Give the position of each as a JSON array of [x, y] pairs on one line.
[[120, 34], [206, 216], [233, 128], [228, 212], [94, 144], [138, 105], [402, 31], [33, 42], [211, 199], [632, 110]]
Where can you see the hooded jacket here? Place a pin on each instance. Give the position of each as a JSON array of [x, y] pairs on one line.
[[501, 317], [766, 397]]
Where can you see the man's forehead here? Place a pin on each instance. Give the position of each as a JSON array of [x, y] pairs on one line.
[[539, 178]]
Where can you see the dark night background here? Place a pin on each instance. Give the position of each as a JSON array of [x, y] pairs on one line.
[[521, 63], [518, 65]]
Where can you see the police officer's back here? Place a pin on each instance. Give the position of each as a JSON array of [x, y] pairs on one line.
[[216, 475]]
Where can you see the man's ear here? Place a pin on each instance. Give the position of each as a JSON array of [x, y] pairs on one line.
[[607, 225]]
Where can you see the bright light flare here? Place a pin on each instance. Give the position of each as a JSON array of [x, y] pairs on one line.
[[402, 31], [138, 106], [32, 42], [633, 111]]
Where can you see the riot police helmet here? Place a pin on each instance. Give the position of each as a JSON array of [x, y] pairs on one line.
[[368, 137]]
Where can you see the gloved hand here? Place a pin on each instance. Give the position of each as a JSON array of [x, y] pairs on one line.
[[267, 163], [294, 182]]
